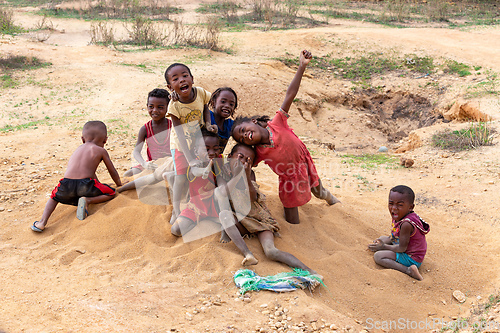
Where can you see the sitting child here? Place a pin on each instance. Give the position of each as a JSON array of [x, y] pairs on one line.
[[405, 249], [258, 220], [202, 182], [80, 186], [156, 133]]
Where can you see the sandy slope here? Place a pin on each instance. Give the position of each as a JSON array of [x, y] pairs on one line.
[[121, 270]]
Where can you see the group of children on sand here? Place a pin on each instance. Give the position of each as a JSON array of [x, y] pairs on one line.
[[189, 158]]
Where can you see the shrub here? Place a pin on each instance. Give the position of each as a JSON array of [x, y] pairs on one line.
[[478, 134], [6, 20], [143, 32], [100, 33]]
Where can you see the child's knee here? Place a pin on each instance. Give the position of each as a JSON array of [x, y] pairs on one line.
[[316, 191], [272, 253], [379, 256]]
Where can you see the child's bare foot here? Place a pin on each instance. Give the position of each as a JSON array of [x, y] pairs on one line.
[[331, 199], [249, 260], [224, 237], [414, 273]]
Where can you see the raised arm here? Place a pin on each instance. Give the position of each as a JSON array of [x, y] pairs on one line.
[[293, 88], [111, 168]]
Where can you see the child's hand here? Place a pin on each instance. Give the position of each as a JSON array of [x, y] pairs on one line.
[[173, 96], [305, 57], [248, 167], [207, 170], [213, 128], [149, 165], [376, 245], [195, 163]]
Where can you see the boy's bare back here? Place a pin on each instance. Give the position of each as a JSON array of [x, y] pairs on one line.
[[86, 158]]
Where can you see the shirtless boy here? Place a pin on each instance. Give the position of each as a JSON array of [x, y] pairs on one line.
[[80, 186]]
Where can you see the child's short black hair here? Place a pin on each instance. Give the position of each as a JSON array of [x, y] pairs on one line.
[[94, 128], [159, 93], [238, 145], [405, 190], [174, 65], [216, 94], [204, 134], [242, 119]]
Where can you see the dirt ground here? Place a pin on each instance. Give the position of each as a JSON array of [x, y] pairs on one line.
[[120, 270]]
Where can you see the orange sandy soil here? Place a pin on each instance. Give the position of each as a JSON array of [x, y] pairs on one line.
[[120, 270]]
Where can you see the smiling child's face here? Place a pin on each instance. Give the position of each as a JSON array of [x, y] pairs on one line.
[[180, 81], [157, 108], [249, 133], [224, 105], [210, 149], [399, 205], [241, 155]]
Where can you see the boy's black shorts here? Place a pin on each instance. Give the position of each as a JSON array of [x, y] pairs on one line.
[[68, 191]]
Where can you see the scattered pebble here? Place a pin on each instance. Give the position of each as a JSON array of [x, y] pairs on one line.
[[459, 296], [383, 149]]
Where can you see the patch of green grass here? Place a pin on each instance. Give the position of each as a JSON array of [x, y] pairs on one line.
[[489, 86], [25, 3], [355, 69], [7, 81], [142, 67], [10, 64], [22, 63], [218, 7], [31, 124], [492, 301], [7, 25], [456, 67], [117, 127], [419, 64], [194, 58], [117, 10], [477, 135], [370, 161]]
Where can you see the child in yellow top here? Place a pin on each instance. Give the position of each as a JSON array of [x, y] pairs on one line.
[[188, 114]]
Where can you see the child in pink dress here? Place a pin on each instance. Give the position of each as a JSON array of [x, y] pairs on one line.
[[278, 146]]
